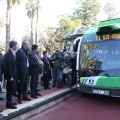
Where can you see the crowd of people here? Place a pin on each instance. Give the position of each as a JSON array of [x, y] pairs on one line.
[[22, 67]]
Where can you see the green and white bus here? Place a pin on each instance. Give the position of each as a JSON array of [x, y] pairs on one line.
[[98, 59]]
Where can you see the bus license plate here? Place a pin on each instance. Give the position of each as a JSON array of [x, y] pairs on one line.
[[101, 92]]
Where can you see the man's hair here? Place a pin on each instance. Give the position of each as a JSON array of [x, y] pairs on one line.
[[44, 52], [34, 47], [57, 50], [12, 43], [24, 42], [64, 50]]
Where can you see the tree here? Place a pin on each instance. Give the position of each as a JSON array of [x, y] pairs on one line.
[[67, 25], [87, 11], [10, 4], [36, 32], [32, 9], [49, 39], [110, 10]]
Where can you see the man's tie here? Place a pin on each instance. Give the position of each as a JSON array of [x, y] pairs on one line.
[[14, 57]]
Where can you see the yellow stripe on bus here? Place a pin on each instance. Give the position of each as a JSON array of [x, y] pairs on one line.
[[81, 79]]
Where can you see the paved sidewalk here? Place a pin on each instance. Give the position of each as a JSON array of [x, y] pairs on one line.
[[27, 109], [3, 95]]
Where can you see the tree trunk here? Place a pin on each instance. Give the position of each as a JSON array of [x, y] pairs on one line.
[[31, 39], [36, 37], [7, 28], [8, 23]]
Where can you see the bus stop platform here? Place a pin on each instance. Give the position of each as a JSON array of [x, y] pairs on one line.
[[28, 109]]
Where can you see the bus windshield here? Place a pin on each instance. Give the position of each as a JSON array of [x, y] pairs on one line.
[[100, 58]]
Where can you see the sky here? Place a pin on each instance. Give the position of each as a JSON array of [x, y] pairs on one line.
[[51, 9], [48, 15]]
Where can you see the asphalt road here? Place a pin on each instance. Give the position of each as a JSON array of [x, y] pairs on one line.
[[87, 107]]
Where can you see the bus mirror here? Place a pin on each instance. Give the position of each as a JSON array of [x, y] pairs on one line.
[[75, 44]]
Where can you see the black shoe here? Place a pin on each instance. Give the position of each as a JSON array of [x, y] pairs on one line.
[[60, 86], [14, 103], [1, 110], [26, 98], [1, 98], [48, 87], [34, 96], [11, 106], [53, 86], [38, 94], [19, 101]]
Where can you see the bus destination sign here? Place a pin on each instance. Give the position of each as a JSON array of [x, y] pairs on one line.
[[109, 36]]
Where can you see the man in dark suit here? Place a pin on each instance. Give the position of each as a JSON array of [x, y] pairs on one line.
[[10, 73], [46, 70], [23, 71], [34, 71]]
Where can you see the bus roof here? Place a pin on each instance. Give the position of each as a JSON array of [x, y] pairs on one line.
[[105, 26]]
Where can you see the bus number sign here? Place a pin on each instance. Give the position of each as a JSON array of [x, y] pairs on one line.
[[110, 36]]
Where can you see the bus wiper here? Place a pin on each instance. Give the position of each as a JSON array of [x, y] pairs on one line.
[[101, 72], [104, 74]]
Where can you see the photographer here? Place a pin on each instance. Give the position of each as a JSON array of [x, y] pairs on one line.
[[66, 68], [56, 60]]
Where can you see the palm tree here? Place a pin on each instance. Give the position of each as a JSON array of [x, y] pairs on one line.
[[10, 4], [32, 8], [36, 33]]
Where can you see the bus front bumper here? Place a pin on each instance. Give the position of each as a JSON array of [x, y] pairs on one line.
[[113, 92]]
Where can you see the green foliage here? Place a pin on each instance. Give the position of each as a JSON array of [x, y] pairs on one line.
[[110, 10], [49, 39], [16, 1], [67, 25], [2, 22], [13, 2], [2, 45], [31, 8], [87, 11]]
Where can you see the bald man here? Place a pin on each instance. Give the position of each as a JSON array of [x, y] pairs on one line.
[[23, 71]]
